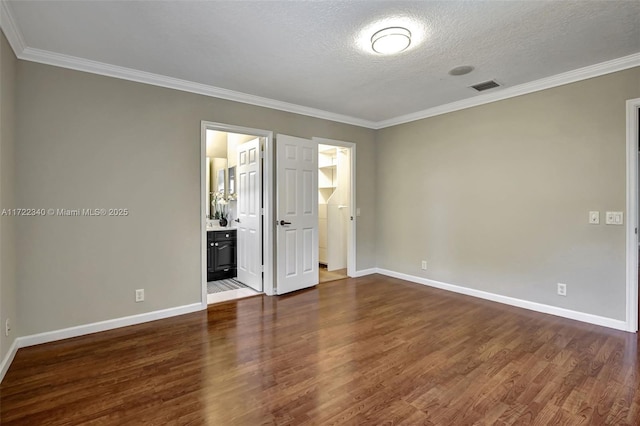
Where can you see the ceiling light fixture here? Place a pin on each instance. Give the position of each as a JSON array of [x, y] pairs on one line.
[[391, 40]]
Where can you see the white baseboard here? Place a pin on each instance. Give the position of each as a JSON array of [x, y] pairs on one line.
[[533, 306], [81, 330], [96, 327], [8, 358], [364, 272]]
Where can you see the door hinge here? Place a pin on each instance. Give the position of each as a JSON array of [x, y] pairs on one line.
[[261, 268], [261, 154], [636, 231]]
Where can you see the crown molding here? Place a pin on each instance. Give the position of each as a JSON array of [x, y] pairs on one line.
[[10, 28], [101, 68], [22, 51], [579, 74], [16, 40]]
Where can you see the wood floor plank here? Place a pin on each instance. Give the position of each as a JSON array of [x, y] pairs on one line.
[[371, 350]]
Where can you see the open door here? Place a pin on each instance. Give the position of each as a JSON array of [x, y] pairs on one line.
[[297, 213], [249, 221]]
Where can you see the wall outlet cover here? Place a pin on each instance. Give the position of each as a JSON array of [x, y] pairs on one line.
[[562, 289]]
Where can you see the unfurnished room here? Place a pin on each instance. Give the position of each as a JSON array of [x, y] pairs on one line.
[[319, 212]]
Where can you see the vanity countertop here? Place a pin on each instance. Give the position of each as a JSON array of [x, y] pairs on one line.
[[216, 227]]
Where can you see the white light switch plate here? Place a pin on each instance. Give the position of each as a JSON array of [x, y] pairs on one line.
[[618, 218], [594, 218], [614, 218]]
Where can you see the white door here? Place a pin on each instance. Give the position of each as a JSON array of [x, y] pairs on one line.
[[297, 213], [249, 221]]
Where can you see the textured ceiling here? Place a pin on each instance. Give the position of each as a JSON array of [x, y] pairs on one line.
[[315, 54]]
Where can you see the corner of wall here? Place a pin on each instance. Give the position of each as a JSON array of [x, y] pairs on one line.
[[8, 287]]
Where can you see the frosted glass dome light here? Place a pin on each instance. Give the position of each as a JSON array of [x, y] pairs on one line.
[[391, 40]]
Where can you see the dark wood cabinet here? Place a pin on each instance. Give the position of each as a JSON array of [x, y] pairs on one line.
[[221, 254]]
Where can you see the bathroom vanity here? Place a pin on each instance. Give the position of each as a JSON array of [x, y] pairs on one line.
[[221, 253]]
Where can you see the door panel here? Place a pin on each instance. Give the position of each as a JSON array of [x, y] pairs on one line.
[[249, 221], [297, 213]]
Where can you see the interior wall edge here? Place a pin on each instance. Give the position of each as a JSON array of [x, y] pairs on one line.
[[8, 358], [365, 272]]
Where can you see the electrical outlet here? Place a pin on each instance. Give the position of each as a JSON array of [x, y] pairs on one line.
[[424, 265], [7, 327], [140, 295], [562, 289], [594, 218]]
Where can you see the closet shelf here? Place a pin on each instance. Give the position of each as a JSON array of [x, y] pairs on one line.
[[328, 167]]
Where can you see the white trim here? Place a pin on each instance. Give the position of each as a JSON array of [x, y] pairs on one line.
[[267, 195], [8, 359], [11, 29], [632, 215], [351, 247], [96, 327], [101, 68], [268, 204], [203, 215], [22, 51], [364, 272], [520, 303], [579, 74]]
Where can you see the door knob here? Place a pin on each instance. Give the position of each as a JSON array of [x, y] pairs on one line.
[[283, 223], [237, 220], [216, 244]]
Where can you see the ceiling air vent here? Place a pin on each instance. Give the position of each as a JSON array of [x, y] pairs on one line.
[[485, 85]]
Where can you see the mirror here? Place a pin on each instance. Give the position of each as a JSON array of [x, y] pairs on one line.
[[218, 186], [232, 183], [220, 180]]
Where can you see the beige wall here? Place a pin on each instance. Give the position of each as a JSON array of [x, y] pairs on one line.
[[87, 141], [8, 303], [216, 145], [496, 197]]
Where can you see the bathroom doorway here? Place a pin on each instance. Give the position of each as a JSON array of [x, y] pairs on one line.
[[233, 204]]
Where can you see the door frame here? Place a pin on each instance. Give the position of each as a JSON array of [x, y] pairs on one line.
[[633, 106], [351, 236], [267, 201]]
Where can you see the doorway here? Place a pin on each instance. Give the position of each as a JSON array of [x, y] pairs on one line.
[[236, 202], [336, 201], [269, 202]]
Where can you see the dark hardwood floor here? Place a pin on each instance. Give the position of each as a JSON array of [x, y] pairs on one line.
[[371, 350]]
